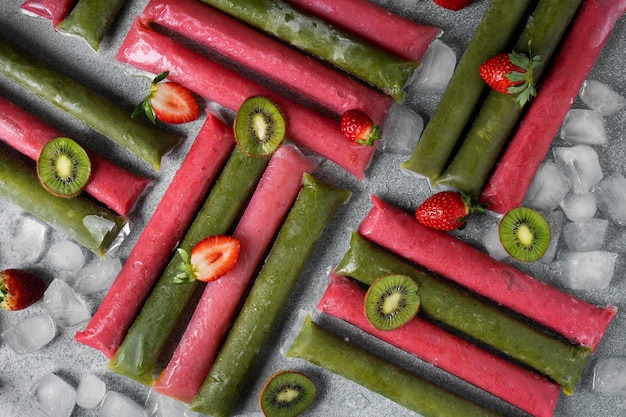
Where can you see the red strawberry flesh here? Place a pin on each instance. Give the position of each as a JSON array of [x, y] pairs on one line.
[[173, 103], [19, 289], [214, 256]]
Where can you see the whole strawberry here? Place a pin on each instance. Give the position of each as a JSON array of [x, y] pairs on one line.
[[358, 127], [210, 259], [446, 210], [453, 4], [511, 73], [19, 289]]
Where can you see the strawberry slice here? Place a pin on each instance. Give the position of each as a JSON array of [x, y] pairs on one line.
[[19, 289], [359, 128], [168, 102], [210, 259]]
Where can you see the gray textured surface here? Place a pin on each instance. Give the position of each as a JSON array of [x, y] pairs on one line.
[[100, 71]]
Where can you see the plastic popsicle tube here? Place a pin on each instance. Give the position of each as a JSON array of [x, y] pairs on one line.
[[90, 19], [104, 116], [146, 261], [517, 385], [53, 10], [138, 354], [315, 206], [220, 299], [317, 345], [110, 184], [264, 54], [20, 185], [150, 51], [508, 184], [399, 232]]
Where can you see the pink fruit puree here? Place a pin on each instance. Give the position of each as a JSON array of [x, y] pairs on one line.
[[525, 389], [108, 326], [216, 309], [154, 52], [54, 10], [450, 257], [110, 184]]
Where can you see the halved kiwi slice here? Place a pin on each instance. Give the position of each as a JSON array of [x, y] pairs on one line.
[[524, 233], [391, 301], [286, 394], [259, 126], [63, 167]]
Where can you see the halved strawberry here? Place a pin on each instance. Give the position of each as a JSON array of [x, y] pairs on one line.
[[358, 127], [168, 102], [19, 289], [210, 259]]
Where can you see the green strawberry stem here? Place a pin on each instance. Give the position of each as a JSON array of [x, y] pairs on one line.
[[186, 271], [525, 82]]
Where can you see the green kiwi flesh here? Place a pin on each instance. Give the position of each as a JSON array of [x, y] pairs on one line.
[[391, 301], [259, 126], [524, 234], [286, 394], [63, 167]]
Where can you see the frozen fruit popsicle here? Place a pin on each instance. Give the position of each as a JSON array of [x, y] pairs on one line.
[[374, 65], [525, 389], [315, 206], [104, 116], [150, 51], [108, 326], [374, 23], [220, 299], [90, 19], [264, 54], [513, 174], [139, 352], [53, 10], [110, 184], [317, 345], [399, 232]]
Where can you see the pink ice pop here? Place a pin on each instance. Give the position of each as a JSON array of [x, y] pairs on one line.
[[264, 54], [592, 26], [108, 326], [54, 10], [523, 388], [151, 51], [376, 24], [216, 309], [442, 253], [110, 184]]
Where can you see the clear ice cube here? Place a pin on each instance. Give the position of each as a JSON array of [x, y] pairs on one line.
[[601, 97], [609, 376], [584, 126], [585, 236], [98, 226], [591, 270], [401, 130], [435, 70], [611, 198], [65, 255], [116, 404], [90, 391], [97, 275], [27, 240], [555, 221], [491, 243], [159, 405], [30, 334], [65, 306], [548, 188], [581, 166], [56, 397], [579, 207]]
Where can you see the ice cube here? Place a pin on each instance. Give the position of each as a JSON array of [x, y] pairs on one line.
[[65, 255], [65, 306], [116, 404], [585, 236], [555, 221], [491, 243], [609, 376], [548, 188], [30, 334], [98, 226], [27, 239], [611, 198], [159, 405], [56, 397], [435, 70], [584, 126], [580, 165], [402, 129], [592, 270], [90, 391], [97, 275], [579, 207], [601, 97]]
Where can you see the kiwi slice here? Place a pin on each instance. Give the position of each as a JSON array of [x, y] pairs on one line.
[[63, 167], [259, 126], [524, 233], [391, 301], [286, 394]]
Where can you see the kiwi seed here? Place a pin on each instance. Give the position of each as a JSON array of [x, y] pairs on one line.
[[524, 234], [259, 126], [391, 301], [63, 167], [286, 394]]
